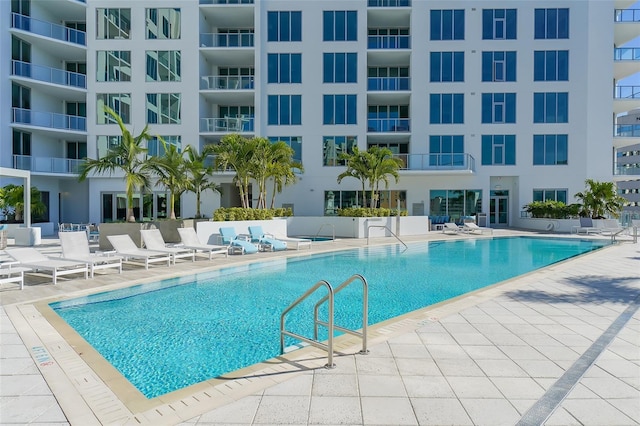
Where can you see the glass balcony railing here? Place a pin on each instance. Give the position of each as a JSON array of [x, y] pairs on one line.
[[226, 40], [627, 15], [388, 42], [48, 74], [48, 29], [47, 164], [626, 130], [626, 54], [49, 120], [375, 84], [436, 161], [238, 124], [627, 170], [216, 82], [627, 92], [390, 125], [226, 1], [389, 3]]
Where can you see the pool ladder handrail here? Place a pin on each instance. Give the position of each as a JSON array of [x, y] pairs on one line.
[[388, 229], [333, 235], [329, 324], [365, 312], [329, 345]]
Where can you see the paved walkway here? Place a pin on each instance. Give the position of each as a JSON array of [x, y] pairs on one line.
[[560, 346]]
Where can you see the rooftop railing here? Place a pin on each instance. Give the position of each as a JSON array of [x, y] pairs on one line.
[[48, 29], [388, 42], [47, 164], [626, 54], [48, 74], [436, 161], [226, 40], [227, 124], [627, 170], [626, 15], [49, 120], [391, 125], [218, 82], [375, 84], [389, 3], [626, 130], [627, 92], [226, 1]]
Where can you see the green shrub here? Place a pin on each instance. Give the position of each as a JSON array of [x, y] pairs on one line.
[[369, 212], [552, 209], [239, 213]]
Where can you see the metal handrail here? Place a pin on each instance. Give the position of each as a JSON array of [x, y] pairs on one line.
[[333, 235], [365, 312], [314, 342], [388, 229]]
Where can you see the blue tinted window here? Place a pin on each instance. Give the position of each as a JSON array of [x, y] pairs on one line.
[[284, 68], [284, 109], [447, 24], [340, 68], [499, 66], [498, 150], [446, 150], [447, 66], [446, 108], [551, 107], [295, 142], [551, 23], [550, 150], [339, 109], [284, 26], [340, 25], [499, 24], [551, 65], [498, 107]]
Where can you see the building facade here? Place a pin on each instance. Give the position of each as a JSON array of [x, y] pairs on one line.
[[489, 105]]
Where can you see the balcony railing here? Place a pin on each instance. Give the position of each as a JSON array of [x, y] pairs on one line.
[[49, 120], [627, 170], [388, 42], [216, 82], [375, 84], [47, 164], [226, 40], [626, 130], [627, 92], [627, 15], [390, 125], [226, 1], [48, 74], [48, 29], [227, 124], [626, 54], [389, 3], [436, 161]]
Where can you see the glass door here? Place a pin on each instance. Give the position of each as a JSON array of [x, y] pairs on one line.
[[499, 211]]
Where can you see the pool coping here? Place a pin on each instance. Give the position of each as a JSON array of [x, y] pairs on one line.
[[90, 390]]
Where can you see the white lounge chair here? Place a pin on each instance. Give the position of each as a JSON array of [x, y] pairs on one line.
[[75, 246], [472, 228], [32, 258], [190, 240], [611, 227], [450, 228], [586, 226], [152, 239], [125, 247], [12, 272]]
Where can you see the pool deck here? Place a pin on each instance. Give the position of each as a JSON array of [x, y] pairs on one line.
[[558, 346]]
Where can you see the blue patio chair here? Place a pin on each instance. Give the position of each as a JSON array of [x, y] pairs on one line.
[[265, 241]]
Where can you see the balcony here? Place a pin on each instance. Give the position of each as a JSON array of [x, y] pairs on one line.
[[238, 124], [388, 125], [627, 170], [49, 120], [626, 27], [47, 164], [625, 61], [626, 98], [48, 29], [626, 130], [389, 42], [437, 162], [225, 2], [390, 84], [389, 3], [216, 82], [48, 74], [227, 40]]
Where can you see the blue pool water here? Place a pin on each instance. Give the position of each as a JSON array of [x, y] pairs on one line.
[[174, 333]]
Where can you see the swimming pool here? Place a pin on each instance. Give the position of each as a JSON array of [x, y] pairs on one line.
[[174, 333]]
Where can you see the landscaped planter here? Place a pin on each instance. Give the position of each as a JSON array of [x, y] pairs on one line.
[[546, 225]]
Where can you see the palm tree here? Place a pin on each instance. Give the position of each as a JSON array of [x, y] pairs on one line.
[[235, 152], [600, 199], [128, 156], [357, 167], [199, 171], [12, 196], [259, 160], [171, 171], [281, 168], [382, 167]]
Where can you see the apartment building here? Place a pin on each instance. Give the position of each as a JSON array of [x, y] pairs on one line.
[[490, 105]]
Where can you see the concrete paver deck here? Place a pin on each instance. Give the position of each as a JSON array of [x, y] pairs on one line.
[[559, 346]]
